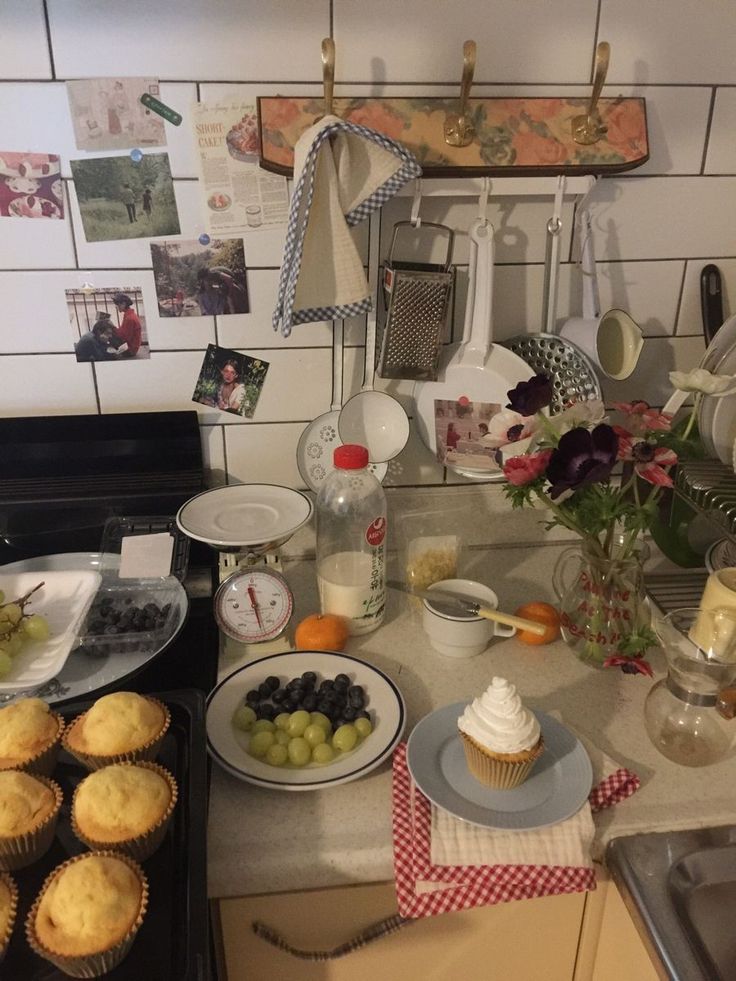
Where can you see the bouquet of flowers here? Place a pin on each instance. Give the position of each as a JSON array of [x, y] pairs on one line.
[[566, 463]]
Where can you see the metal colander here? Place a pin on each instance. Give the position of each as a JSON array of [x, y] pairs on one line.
[[571, 372]]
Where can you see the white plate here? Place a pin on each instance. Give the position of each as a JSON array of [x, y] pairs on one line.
[[63, 600], [83, 675], [557, 788], [717, 417], [227, 745], [245, 515]]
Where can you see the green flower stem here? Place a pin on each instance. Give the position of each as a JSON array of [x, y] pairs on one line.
[[693, 414], [549, 430], [568, 522]]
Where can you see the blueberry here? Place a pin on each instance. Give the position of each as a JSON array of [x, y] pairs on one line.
[[264, 690], [309, 677], [295, 684], [97, 626], [279, 696], [356, 701], [362, 714], [266, 711], [348, 713], [111, 629], [323, 706], [333, 697], [253, 696], [309, 702], [273, 682], [128, 600], [342, 678]]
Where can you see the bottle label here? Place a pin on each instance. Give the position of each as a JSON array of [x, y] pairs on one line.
[[376, 532]]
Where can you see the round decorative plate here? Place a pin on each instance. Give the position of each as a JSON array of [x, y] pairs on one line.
[[228, 745], [245, 515], [557, 788]]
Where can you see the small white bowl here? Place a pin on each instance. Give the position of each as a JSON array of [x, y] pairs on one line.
[[462, 635]]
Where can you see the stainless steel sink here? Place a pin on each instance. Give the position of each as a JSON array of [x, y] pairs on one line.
[[680, 888]]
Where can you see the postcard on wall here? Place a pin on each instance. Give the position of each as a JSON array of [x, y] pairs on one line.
[[238, 196], [230, 381], [30, 185], [121, 198], [465, 435], [107, 113], [108, 323], [195, 280]]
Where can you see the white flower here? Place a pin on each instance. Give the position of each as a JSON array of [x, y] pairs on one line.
[[700, 380], [508, 426], [586, 414]]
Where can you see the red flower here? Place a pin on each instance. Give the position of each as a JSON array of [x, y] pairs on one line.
[[642, 417], [629, 664], [648, 458], [523, 469]]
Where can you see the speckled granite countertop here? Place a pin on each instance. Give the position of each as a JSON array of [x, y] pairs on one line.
[[269, 841]]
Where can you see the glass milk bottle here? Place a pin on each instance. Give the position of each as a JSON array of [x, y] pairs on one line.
[[351, 541]]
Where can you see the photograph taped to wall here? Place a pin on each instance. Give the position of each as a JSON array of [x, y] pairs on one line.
[[120, 198], [230, 381], [464, 433], [195, 280], [30, 185], [107, 113], [108, 323]]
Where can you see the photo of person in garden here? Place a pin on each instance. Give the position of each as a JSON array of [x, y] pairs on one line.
[[116, 197], [195, 280], [230, 381]]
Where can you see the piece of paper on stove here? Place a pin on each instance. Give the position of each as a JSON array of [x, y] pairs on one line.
[[238, 196], [146, 556]]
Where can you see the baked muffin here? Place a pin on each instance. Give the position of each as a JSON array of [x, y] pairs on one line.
[[29, 736], [125, 807], [88, 912], [118, 727], [8, 909], [502, 739], [29, 810]]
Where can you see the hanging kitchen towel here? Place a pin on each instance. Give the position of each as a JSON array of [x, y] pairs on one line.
[[426, 888], [342, 173]]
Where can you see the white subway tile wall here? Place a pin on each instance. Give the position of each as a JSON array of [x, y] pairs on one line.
[[655, 227]]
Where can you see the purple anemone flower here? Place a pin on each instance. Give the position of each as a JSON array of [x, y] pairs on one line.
[[581, 458], [530, 396]]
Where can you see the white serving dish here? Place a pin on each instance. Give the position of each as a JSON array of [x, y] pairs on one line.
[[63, 600]]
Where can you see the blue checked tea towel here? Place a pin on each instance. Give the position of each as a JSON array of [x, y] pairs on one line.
[[342, 173]]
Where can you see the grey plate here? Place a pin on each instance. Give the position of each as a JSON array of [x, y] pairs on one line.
[[558, 786]]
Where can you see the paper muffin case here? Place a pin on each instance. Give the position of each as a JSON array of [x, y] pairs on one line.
[[5, 937], [90, 965], [500, 774], [141, 846], [43, 762], [92, 761], [22, 850]]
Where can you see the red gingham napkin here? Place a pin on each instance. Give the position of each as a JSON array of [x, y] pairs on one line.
[[469, 886]]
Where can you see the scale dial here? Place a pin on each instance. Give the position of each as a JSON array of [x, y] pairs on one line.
[[254, 605]]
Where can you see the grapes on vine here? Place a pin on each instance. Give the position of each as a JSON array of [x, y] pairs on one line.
[[18, 628]]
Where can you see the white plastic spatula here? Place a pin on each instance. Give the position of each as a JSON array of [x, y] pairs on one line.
[[477, 370]]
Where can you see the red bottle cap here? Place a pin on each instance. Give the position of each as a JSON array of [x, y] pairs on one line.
[[350, 457]]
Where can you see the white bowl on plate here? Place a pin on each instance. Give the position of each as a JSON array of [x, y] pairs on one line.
[[63, 600]]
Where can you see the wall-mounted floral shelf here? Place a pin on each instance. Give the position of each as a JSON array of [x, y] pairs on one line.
[[513, 137]]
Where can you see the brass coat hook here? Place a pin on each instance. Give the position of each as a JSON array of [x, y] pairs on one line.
[[588, 128], [328, 72], [459, 129]]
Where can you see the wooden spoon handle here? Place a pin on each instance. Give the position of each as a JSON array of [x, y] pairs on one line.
[[531, 626]]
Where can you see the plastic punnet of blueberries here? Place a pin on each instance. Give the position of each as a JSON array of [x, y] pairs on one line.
[[125, 623]]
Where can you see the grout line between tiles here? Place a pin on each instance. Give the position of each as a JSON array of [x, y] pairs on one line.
[[47, 27]]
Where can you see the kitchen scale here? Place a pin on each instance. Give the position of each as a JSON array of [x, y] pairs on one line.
[[247, 524]]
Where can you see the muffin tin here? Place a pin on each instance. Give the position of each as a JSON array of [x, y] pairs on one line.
[[173, 943]]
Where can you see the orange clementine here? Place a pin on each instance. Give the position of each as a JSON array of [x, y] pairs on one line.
[[322, 632], [541, 613]]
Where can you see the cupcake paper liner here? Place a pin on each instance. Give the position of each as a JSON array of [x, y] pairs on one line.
[[22, 850], [495, 772], [43, 762], [95, 761], [95, 964], [7, 934], [140, 847]]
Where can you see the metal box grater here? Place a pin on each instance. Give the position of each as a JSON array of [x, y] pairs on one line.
[[417, 300]]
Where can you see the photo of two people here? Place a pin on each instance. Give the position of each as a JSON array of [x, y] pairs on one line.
[[195, 280], [108, 324]]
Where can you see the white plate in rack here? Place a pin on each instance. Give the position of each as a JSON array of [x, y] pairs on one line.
[[228, 745]]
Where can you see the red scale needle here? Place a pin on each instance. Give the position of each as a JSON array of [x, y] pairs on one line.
[[254, 604]]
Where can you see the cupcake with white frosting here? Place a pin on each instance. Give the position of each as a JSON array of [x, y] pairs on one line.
[[501, 738]]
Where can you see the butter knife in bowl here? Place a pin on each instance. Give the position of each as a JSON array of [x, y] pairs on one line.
[[455, 604]]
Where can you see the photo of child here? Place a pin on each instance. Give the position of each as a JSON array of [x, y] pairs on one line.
[[230, 381]]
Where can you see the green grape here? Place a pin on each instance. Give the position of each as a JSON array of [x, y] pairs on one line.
[[6, 663], [263, 725], [345, 738], [11, 612], [298, 722], [364, 727], [282, 738], [299, 751], [282, 720], [36, 627], [260, 743], [277, 755], [323, 753], [318, 719], [14, 644], [315, 735], [244, 717]]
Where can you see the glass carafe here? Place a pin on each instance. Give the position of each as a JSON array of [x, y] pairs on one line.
[[689, 714]]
